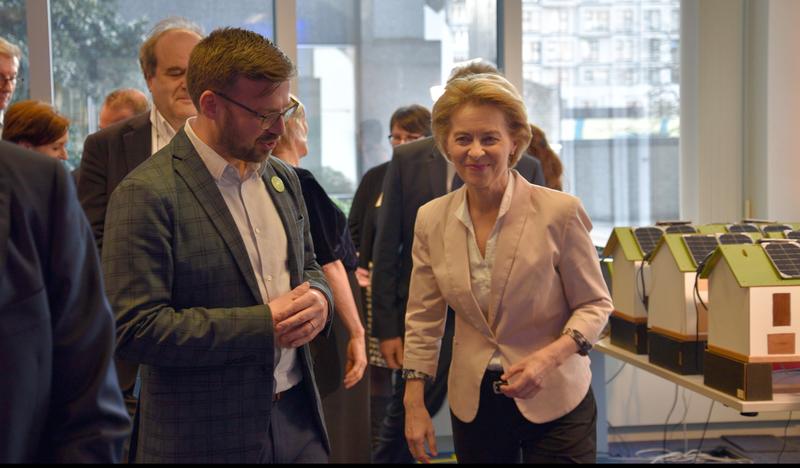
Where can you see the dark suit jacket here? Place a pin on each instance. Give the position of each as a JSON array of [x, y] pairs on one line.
[[416, 175], [363, 216], [190, 312], [108, 156], [59, 400]]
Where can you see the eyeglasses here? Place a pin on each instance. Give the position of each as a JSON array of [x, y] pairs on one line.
[[267, 120], [4, 80], [399, 140]]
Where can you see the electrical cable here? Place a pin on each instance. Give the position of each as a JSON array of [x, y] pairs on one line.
[[785, 437], [617, 373], [705, 428], [666, 423]]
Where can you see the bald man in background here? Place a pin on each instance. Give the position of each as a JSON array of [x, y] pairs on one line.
[[122, 104]]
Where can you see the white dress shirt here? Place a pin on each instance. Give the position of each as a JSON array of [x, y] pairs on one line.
[[264, 238], [480, 266], [162, 131]]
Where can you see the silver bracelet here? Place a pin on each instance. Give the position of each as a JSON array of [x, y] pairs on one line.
[[411, 374]]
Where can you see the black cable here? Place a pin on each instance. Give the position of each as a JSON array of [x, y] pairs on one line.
[[643, 295], [669, 415], [785, 437], [703, 436], [696, 297], [617, 373]]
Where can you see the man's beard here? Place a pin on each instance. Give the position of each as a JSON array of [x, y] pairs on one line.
[[239, 149]]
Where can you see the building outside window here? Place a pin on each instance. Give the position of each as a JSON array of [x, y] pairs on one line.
[[358, 61], [13, 28], [612, 111], [96, 47]]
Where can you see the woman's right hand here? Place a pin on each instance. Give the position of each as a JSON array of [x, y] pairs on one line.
[[419, 426]]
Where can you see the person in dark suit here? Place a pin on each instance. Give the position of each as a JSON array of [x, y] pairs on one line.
[[417, 174], [59, 399], [110, 154], [210, 269]]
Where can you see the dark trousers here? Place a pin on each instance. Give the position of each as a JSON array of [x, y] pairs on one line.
[[293, 435], [501, 434], [391, 446]]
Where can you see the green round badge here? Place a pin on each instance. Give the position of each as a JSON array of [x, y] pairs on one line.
[[277, 183]]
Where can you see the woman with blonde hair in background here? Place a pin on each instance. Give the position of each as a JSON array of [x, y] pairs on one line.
[[346, 410], [517, 265]]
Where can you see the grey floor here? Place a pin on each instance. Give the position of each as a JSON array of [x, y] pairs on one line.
[[727, 449]]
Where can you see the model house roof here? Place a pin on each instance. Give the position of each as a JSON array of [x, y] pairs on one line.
[[676, 247], [749, 264], [714, 228], [623, 237]]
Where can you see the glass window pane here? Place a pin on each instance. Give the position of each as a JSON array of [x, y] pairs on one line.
[[14, 29], [606, 91], [358, 61], [96, 47]]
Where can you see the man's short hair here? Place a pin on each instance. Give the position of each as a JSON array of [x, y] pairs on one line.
[[473, 67], [413, 119], [10, 50], [485, 89], [230, 53], [147, 53], [129, 98]]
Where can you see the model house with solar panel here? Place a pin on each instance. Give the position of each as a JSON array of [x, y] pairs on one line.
[[629, 282], [677, 322], [754, 315]]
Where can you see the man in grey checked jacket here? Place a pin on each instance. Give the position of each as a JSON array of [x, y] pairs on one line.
[[210, 269]]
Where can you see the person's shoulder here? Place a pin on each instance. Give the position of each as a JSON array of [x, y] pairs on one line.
[[416, 149], [376, 172], [442, 207], [118, 129], [21, 164]]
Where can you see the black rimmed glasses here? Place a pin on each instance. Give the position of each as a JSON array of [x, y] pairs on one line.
[[269, 119]]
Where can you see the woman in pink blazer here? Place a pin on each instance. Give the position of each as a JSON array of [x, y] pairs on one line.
[[516, 263]]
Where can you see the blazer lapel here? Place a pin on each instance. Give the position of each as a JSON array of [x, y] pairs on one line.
[[508, 242], [138, 141], [283, 204], [457, 260], [437, 173], [192, 169]]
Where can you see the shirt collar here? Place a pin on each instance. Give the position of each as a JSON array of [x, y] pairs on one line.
[[462, 212], [216, 164], [161, 125]]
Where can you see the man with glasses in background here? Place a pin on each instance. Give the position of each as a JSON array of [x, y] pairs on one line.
[[10, 56], [210, 270]]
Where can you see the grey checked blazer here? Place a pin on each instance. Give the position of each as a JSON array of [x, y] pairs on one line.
[[189, 310]]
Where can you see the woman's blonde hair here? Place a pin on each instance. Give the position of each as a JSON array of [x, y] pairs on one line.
[[298, 116], [482, 90]]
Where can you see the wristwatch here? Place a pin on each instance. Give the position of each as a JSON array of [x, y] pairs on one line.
[[583, 344]]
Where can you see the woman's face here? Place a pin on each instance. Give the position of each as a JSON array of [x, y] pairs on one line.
[[479, 145], [56, 149]]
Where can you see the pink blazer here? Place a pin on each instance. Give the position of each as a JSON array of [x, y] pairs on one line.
[[546, 277]]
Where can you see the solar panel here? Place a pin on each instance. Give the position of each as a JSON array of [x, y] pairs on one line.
[[785, 257], [735, 238], [700, 246], [681, 228], [776, 228], [795, 235], [648, 238], [743, 228]]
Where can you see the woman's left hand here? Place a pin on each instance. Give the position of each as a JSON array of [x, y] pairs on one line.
[[356, 361], [525, 377]]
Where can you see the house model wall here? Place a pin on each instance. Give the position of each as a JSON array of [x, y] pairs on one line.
[[754, 314], [672, 308], [626, 279]]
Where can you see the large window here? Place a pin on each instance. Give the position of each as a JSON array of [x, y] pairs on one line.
[[96, 47], [13, 28], [358, 61], [609, 106]]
